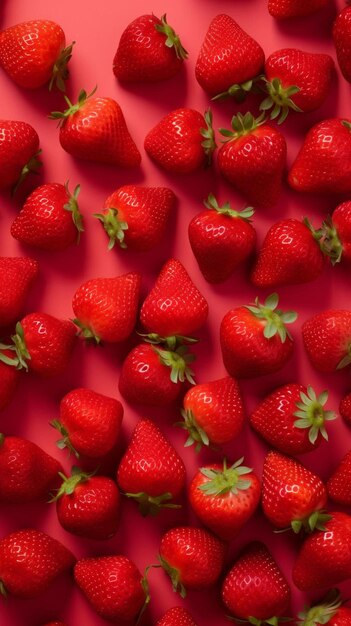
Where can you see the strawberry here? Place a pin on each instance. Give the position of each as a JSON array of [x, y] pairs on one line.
[[88, 505], [151, 472], [19, 150], [113, 586], [176, 616], [255, 588], [290, 255], [329, 611], [345, 408], [89, 423], [136, 217], [283, 9], [327, 339], [9, 377], [335, 238], [296, 80], [342, 41], [339, 483], [213, 413], [17, 276], [224, 498], [254, 339], [94, 129], [149, 50], [105, 309], [253, 159], [29, 561], [293, 418], [323, 164], [324, 559], [228, 60], [221, 239], [50, 218], [182, 142], [192, 557], [27, 473]]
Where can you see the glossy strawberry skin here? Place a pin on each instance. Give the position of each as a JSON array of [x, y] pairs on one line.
[[17, 277], [342, 41], [342, 617], [50, 343], [228, 56], [176, 616], [283, 9], [345, 408], [339, 483], [30, 560], [341, 220], [9, 377], [327, 337], [19, 144]]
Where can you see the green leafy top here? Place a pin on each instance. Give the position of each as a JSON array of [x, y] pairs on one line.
[[69, 483], [196, 434], [73, 207], [209, 144], [242, 125], [239, 91], [274, 317], [114, 227], [279, 100], [60, 70], [226, 209], [19, 348], [61, 116], [178, 361], [33, 166], [321, 613], [228, 480], [312, 415], [172, 39]]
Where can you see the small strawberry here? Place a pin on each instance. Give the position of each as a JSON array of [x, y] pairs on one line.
[[224, 498], [95, 130], [342, 41], [89, 423], [327, 339], [151, 472], [345, 408], [29, 561], [253, 159], [324, 559], [106, 309], [136, 217], [50, 218], [228, 60], [182, 142], [149, 50], [113, 586], [323, 164], [283, 9], [339, 483], [192, 557], [19, 149], [290, 255], [17, 275], [255, 589], [176, 616], [329, 611], [254, 339], [221, 239], [9, 377], [293, 418], [335, 235]]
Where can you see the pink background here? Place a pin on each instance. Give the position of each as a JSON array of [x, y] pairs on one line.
[[96, 27]]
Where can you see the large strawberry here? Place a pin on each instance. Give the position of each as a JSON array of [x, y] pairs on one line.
[[9, 377], [94, 129], [327, 339], [19, 149], [149, 50], [342, 41], [89, 423], [221, 239], [29, 561], [105, 309], [136, 217], [323, 164], [292, 418], [17, 275], [329, 611], [339, 483], [182, 142], [253, 159], [254, 339], [176, 616], [151, 472], [224, 498], [228, 60], [335, 234], [283, 9]]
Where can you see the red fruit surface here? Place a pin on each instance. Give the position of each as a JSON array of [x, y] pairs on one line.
[[17, 276], [342, 41], [283, 9], [339, 483], [18, 147], [327, 339], [49, 341], [345, 408], [176, 616], [341, 230]]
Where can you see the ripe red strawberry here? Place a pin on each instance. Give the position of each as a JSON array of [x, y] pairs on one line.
[[253, 159], [296, 80], [213, 413], [19, 149], [151, 472], [176, 616], [255, 340], [149, 50], [9, 377], [221, 239], [106, 309], [113, 586], [228, 58], [290, 255], [339, 483], [182, 142], [293, 418], [335, 238], [136, 217], [327, 339], [342, 41], [292, 496], [89, 423], [255, 588], [192, 557], [174, 306], [224, 498], [283, 9], [329, 611], [27, 473], [17, 275], [323, 164], [29, 561], [345, 408], [324, 559], [95, 130]]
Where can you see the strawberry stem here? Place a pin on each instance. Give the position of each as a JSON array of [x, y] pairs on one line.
[[177, 361], [72, 108], [73, 207], [315, 521], [113, 227], [197, 435], [321, 613], [60, 70], [174, 575], [65, 441], [275, 319], [240, 91], [70, 483], [152, 505], [172, 39], [242, 125], [228, 480], [19, 348], [209, 144], [312, 415], [86, 332], [32, 166], [279, 100], [171, 343], [226, 209]]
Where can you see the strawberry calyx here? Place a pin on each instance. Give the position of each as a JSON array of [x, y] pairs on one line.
[[172, 342], [60, 71], [175, 576], [239, 91], [275, 319], [279, 100], [242, 125], [315, 521], [61, 116], [177, 360], [312, 415], [3, 591], [145, 586], [226, 209], [197, 435], [73, 207], [209, 144], [21, 356], [65, 442], [86, 332], [228, 480], [347, 124], [113, 226], [330, 243], [151, 505], [69, 483], [272, 621], [172, 39], [32, 166], [321, 613], [346, 360]]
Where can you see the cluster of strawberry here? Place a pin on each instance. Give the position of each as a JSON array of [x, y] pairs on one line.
[[254, 338]]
